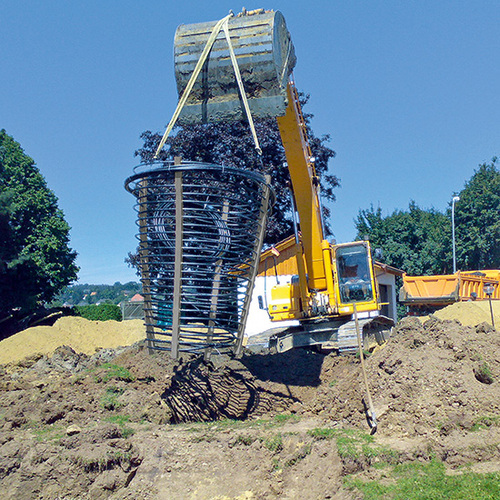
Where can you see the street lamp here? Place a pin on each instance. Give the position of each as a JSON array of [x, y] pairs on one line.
[[453, 201], [489, 289]]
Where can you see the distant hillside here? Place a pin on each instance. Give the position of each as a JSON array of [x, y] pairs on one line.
[[97, 294]]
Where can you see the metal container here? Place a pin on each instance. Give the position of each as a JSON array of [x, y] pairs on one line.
[[265, 55], [201, 228]]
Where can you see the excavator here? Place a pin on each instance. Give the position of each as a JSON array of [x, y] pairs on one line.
[[244, 69]]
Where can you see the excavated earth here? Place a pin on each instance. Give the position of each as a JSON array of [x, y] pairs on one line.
[[126, 424]]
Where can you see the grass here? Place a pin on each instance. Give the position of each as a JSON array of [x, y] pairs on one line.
[[110, 371], [110, 399], [245, 439], [104, 462], [44, 433], [354, 444], [483, 373], [428, 481], [223, 424], [484, 422], [274, 443], [122, 421]]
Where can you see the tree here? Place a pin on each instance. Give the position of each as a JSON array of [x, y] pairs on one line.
[[417, 241], [35, 259], [477, 220], [231, 144]]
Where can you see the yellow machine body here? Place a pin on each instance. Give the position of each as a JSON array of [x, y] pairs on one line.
[[350, 280], [285, 302]]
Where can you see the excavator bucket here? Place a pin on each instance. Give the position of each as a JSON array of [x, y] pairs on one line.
[[265, 57]]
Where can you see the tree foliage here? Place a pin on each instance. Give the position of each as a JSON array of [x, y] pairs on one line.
[[231, 144], [419, 241], [477, 220], [85, 294], [35, 258], [414, 240], [101, 312]]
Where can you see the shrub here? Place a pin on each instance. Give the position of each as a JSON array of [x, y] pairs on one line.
[[102, 312]]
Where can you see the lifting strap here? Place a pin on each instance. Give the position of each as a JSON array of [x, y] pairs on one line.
[[222, 24]]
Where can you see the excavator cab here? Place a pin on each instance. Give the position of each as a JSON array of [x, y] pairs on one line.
[[354, 274], [354, 278], [352, 282]]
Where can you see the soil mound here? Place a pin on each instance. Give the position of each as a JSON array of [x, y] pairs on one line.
[[430, 379], [471, 313], [82, 335], [96, 425]]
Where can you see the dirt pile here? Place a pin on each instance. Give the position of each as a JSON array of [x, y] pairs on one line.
[[430, 379], [102, 425], [80, 334], [471, 313]]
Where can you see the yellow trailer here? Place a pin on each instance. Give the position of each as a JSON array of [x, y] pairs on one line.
[[427, 293]]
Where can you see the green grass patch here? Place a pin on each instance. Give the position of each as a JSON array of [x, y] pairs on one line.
[[283, 419], [323, 433], [122, 421], [484, 422], [44, 433], [483, 373], [428, 481], [227, 423], [245, 439], [355, 444], [274, 443], [110, 399], [110, 371]]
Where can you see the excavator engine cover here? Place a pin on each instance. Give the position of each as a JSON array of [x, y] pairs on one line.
[[265, 55]]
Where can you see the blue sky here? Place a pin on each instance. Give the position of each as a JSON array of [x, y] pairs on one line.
[[408, 90]]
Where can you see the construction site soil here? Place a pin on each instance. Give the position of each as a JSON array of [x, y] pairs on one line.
[[88, 419]]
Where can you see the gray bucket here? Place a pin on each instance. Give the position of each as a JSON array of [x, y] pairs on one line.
[[266, 58]]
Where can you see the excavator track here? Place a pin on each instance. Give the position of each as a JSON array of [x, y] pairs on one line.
[[337, 335]]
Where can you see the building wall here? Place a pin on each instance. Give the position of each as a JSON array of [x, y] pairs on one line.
[[389, 280]]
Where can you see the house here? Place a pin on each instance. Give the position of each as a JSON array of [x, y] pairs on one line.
[[133, 308]]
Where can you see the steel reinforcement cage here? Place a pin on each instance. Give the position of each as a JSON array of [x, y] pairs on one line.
[[201, 228]]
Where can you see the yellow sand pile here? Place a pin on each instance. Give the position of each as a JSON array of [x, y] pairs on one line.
[[80, 334], [471, 313]]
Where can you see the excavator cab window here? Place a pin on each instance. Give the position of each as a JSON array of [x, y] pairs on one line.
[[353, 269]]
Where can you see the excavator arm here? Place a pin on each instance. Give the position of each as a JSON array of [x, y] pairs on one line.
[[305, 185], [333, 281]]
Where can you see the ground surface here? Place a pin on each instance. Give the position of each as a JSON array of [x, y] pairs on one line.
[[124, 424]]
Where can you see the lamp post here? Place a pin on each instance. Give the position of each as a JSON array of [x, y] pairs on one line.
[[453, 201], [489, 290]]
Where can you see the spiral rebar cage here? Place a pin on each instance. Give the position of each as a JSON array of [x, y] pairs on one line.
[[201, 228]]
